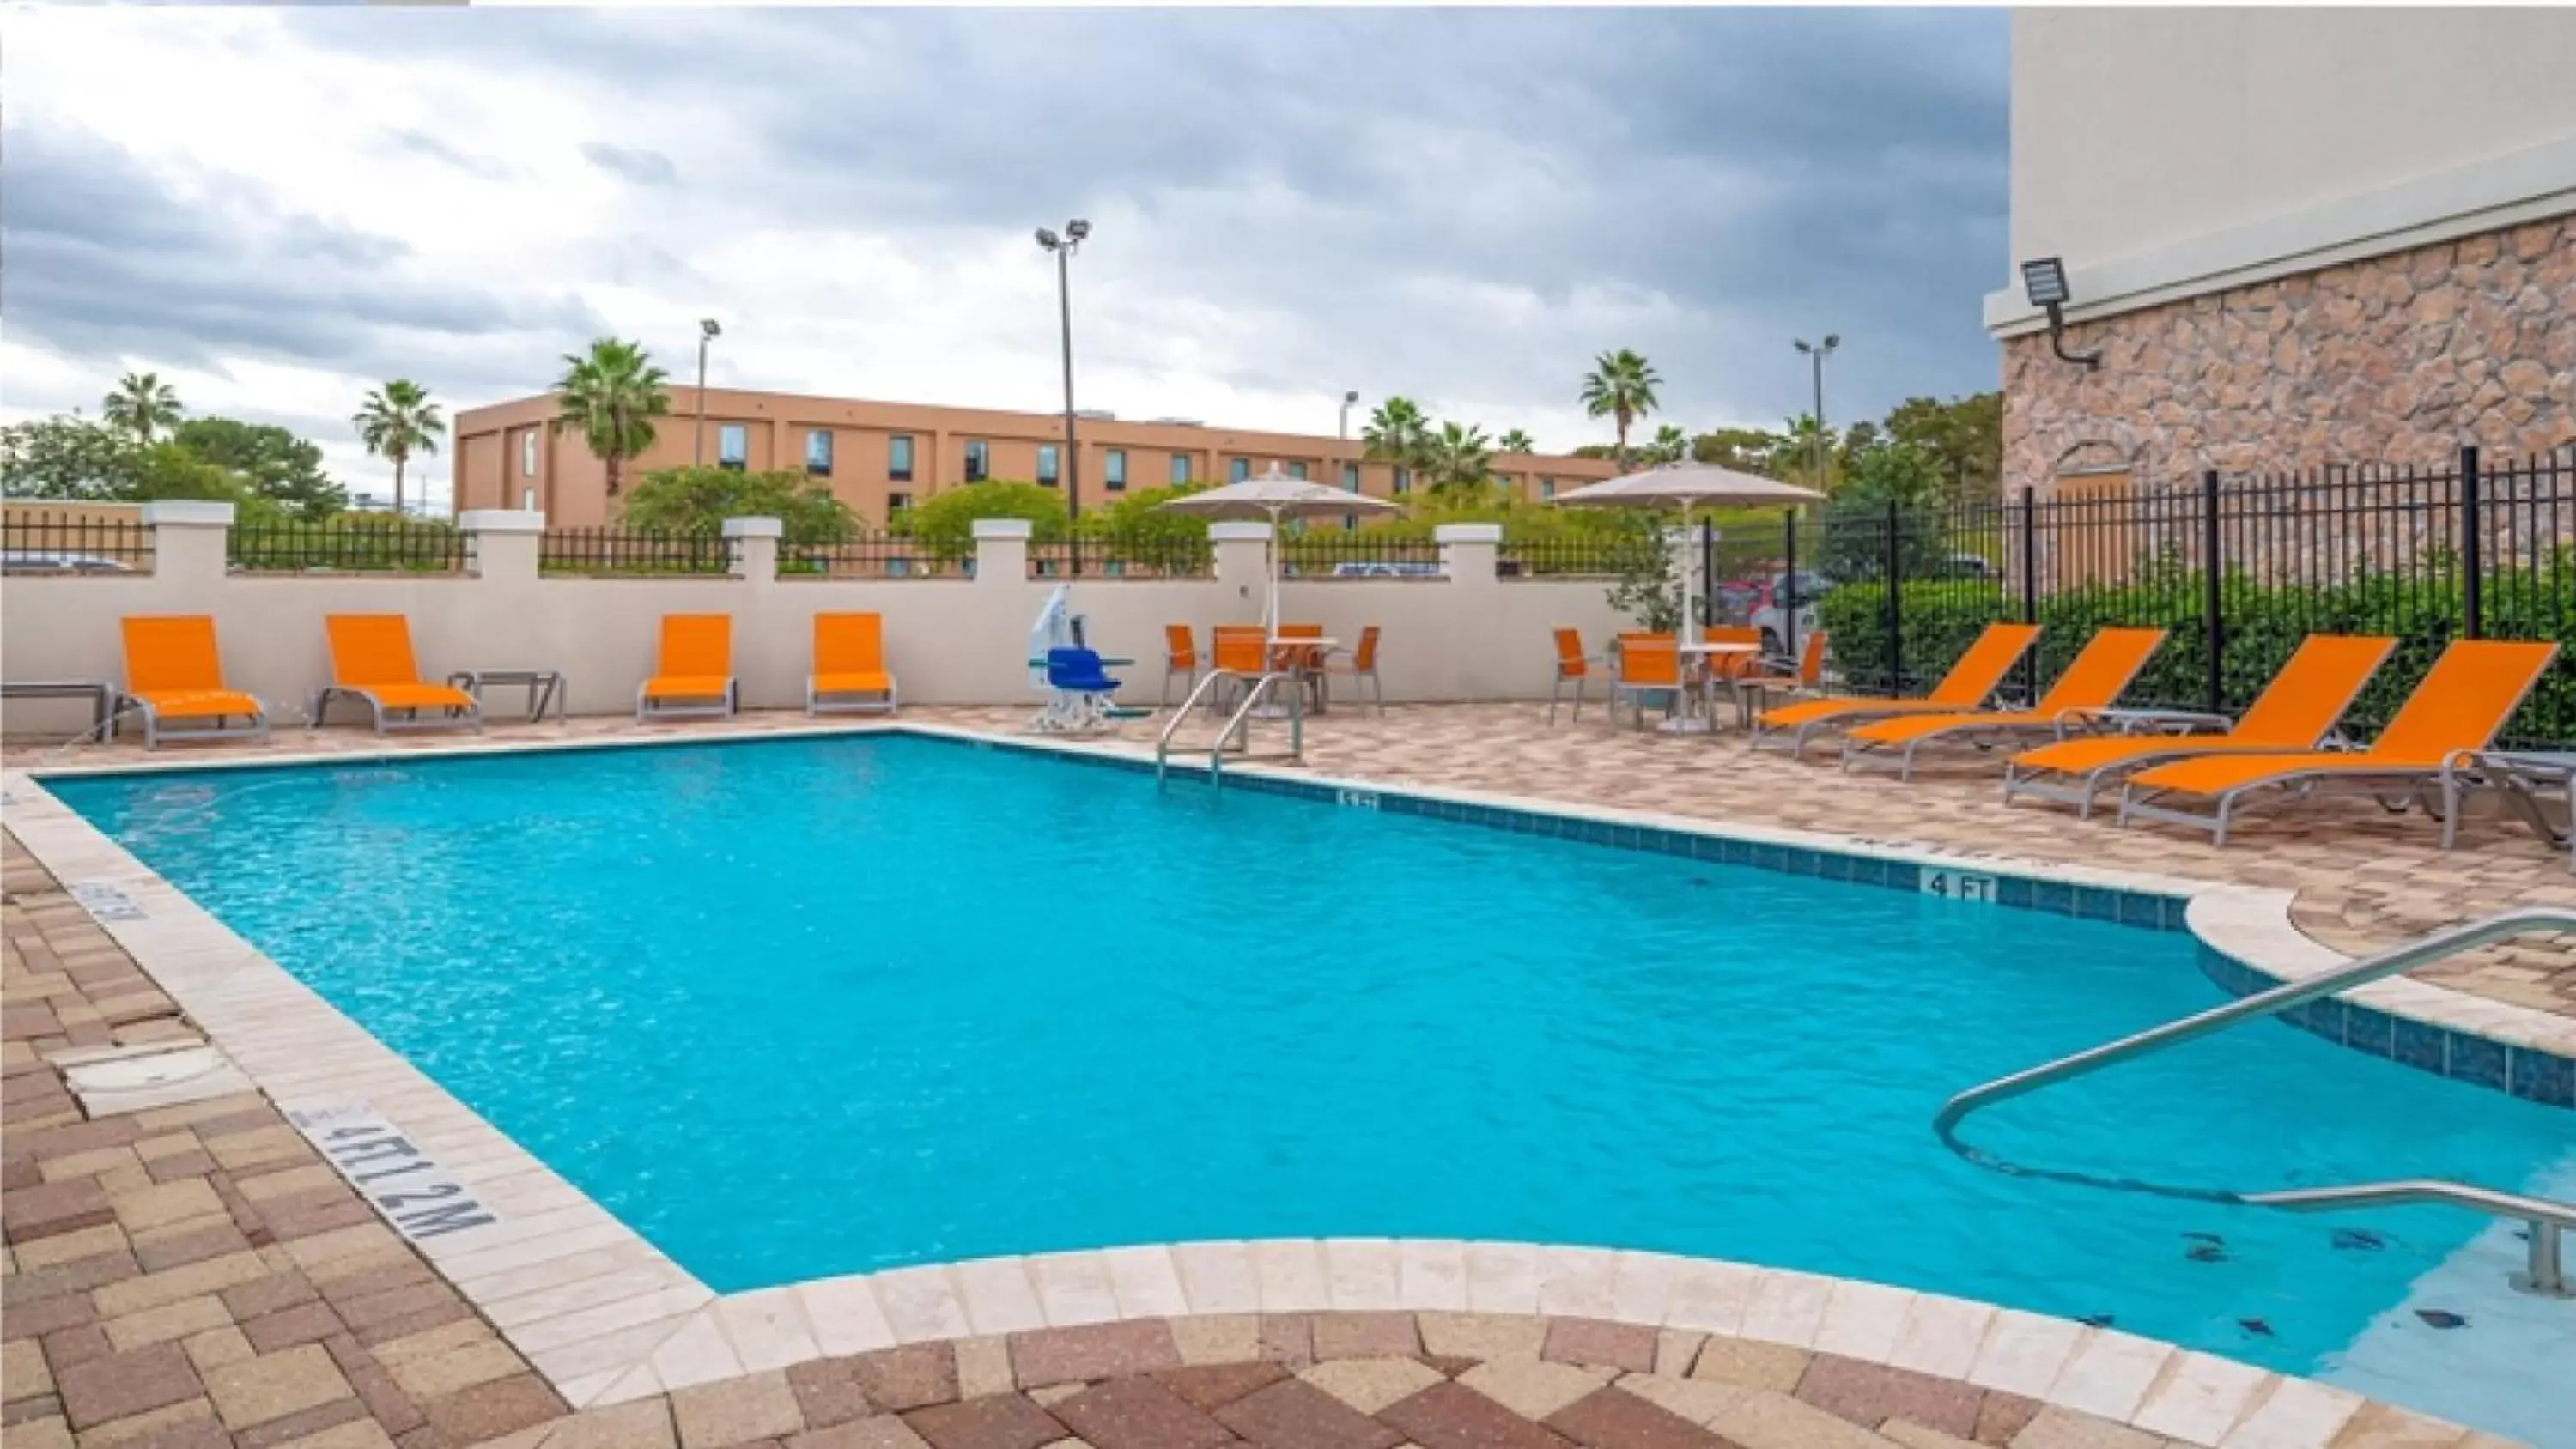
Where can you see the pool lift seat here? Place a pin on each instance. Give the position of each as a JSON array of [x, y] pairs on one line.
[[2544, 1272]]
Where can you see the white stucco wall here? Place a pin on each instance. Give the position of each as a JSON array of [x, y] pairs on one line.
[[2158, 148], [949, 641]]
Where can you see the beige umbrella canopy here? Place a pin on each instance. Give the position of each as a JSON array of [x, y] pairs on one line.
[[1687, 486], [1276, 496]]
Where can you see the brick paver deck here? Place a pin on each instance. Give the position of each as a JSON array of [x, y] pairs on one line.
[[196, 1276]]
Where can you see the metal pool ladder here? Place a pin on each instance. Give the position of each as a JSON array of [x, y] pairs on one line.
[[2545, 1272], [1238, 727]]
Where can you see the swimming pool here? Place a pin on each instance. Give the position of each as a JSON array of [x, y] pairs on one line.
[[810, 1007]]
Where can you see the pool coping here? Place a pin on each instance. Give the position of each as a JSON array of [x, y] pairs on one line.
[[608, 1318]]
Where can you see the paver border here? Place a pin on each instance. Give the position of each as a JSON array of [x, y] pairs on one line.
[[607, 1318]]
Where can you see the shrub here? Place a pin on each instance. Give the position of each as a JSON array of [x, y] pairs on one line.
[[699, 500], [944, 522]]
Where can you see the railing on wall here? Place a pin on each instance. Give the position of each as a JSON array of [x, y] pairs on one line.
[[354, 544], [880, 556], [44, 541], [1606, 557], [1331, 555], [631, 551], [1178, 558], [2237, 569]]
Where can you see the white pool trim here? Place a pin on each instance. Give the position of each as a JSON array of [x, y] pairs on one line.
[[608, 1318]]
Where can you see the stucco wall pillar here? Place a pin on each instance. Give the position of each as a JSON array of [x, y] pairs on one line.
[[501, 544], [753, 542], [1001, 552], [1469, 551], [188, 539], [1241, 552]]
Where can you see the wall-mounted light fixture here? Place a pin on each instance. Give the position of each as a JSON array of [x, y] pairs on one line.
[[2044, 282]]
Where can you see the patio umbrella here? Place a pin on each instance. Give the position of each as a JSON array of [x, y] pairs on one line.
[[1688, 486], [1276, 496]]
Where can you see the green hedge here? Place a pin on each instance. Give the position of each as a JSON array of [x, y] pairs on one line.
[[2263, 625]]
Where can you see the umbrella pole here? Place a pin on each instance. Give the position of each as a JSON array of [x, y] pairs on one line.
[[1690, 566], [1270, 611]]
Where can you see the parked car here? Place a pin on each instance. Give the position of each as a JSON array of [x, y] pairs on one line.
[[1788, 599], [26, 561]]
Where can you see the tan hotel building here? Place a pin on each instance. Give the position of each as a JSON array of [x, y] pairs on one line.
[[880, 457]]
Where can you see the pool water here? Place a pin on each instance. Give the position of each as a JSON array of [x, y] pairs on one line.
[[800, 1008]]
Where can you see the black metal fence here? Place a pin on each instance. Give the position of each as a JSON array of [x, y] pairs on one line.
[[631, 551], [878, 556], [1326, 554], [1176, 558], [44, 541], [1606, 556], [353, 544], [2238, 569]]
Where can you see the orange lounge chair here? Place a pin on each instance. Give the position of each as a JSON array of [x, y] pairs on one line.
[[849, 660], [173, 673], [2295, 710], [2093, 682], [693, 673], [2465, 698], [371, 661], [1976, 675]]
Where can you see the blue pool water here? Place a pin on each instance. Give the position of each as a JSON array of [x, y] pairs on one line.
[[801, 1008]]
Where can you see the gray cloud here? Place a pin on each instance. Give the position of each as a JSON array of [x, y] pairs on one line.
[[421, 143], [644, 168]]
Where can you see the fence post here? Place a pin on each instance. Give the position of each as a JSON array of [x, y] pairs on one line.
[[1794, 599], [1895, 602], [2473, 601], [2213, 592], [2029, 585]]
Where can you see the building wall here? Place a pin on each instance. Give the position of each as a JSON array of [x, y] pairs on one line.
[[2397, 359], [571, 483], [2165, 151]]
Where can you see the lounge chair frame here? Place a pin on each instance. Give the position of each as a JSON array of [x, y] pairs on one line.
[[1982, 735], [470, 715], [2176, 723], [852, 701], [2523, 778], [156, 730], [1859, 712], [2434, 788], [700, 707]]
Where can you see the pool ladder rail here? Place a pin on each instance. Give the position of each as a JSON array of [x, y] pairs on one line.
[[2545, 1270], [1238, 727]]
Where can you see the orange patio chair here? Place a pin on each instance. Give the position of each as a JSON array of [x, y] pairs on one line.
[[1571, 663], [2093, 682], [1306, 663], [371, 662], [1240, 649], [2464, 700], [173, 674], [1359, 663], [849, 666], [1764, 673], [1977, 675], [1649, 664], [2294, 712], [1180, 657], [692, 671]]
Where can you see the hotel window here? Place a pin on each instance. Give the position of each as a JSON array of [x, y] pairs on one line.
[[1351, 480], [818, 452], [1296, 470], [1113, 470], [733, 446], [899, 459], [977, 451], [897, 503], [1237, 469], [528, 454], [1180, 467], [1546, 489], [1047, 464], [1403, 480]]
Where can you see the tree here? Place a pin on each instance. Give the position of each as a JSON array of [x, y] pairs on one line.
[[140, 406], [1621, 387], [945, 521], [1899, 482], [1397, 432], [1795, 452], [1457, 461], [1671, 445], [65, 457], [1963, 437], [1139, 521], [612, 396], [1744, 450], [697, 500], [398, 420], [1515, 441], [276, 464]]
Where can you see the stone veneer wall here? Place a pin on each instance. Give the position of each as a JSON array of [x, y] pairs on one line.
[[2398, 359]]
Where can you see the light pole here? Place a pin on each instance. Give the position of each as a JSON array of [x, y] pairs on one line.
[[1348, 397], [1064, 247], [708, 332], [1816, 355]]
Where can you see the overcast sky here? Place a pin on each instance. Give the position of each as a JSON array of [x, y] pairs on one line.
[[277, 209]]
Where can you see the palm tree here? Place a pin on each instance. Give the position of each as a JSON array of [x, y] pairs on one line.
[[1515, 441], [142, 404], [1458, 460], [1620, 386], [612, 396], [1671, 445], [1397, 432], [397, 421], [1795, 450]]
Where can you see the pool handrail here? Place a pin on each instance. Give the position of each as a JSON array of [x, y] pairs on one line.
[[2545, 1272], [1237, 726]]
